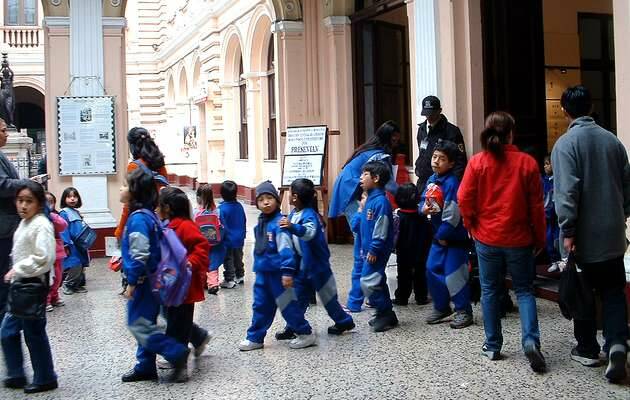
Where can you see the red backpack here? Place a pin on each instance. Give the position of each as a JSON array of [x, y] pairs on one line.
[[209, 223]]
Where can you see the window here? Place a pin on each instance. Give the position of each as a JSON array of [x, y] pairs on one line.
[[272, 144], [20, 12], [242, 136]]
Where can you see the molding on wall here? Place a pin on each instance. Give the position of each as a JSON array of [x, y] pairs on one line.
[[335, 20], [56, 22], [287, 26], [114, 22]]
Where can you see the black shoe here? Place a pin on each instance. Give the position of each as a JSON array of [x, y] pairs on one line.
[[385, 322], [535, 357], [400, 302], [371, 321], [339, 329], [15, 383], [180, 370], [213, 290], [286, 334], [586, 359], [33, 388], [616, 370], [438, 316], [134, 376]]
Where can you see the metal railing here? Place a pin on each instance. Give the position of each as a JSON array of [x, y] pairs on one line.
[[21, 36]]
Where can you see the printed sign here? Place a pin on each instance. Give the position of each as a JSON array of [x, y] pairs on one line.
[[307, 166], [304, 153], [305, 140], [87, 142]]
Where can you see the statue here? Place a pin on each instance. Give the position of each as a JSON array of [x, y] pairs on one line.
[[7, 94]]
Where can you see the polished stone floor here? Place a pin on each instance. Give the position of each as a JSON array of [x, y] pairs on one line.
[[92, 348]]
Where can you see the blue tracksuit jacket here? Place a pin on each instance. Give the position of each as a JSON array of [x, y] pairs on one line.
[[234, 221], [77, 257]]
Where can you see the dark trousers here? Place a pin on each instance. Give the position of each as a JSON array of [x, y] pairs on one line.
[[5, 265], [180, 325], [411, 278], [233, 264], [608, 279]]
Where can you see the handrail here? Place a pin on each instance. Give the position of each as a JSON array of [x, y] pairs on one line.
[[21, 36]]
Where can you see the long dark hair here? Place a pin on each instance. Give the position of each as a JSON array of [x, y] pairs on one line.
[[177, 202], [36, 189], [142, 190], [206, 197], [305, 191], [494, 137], [382, 139], [143, 147], [67, 192]]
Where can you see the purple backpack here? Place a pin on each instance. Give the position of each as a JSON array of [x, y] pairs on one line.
[[171, 279]]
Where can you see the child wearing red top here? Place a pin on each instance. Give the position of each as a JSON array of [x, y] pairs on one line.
[[175, 207]]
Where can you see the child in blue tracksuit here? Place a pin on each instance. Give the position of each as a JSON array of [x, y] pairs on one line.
[[313, 255], [377, 242], [355, 295], [78, 258], [447, 265], [235, 221], [553, 230], [275, 268], [141, 254]]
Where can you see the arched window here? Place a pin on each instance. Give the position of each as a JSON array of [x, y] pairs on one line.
[[242, 135], [272, 144], [20, 12]]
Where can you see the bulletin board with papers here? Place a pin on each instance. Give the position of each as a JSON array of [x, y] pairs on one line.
[[305, 154]]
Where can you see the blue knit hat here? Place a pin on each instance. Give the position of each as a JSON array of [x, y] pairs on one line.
[[267, 187]]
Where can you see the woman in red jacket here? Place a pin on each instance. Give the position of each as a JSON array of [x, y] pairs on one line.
[[501, 202], [175, 207]]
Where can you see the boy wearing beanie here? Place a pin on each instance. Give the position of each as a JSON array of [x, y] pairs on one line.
[[274, 265]]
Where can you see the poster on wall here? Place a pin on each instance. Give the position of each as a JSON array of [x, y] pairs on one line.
[[304, 154], [86, 134]]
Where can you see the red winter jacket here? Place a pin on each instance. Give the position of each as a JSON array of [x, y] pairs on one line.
[[501, 201], [198, 250]]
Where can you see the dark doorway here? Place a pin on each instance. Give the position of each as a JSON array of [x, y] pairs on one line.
[[514, 68], [29, 115]]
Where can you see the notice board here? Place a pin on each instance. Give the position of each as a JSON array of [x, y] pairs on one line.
[[304, 154]]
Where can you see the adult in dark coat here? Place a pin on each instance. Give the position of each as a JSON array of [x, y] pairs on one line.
[[436, 128], [9, 180]]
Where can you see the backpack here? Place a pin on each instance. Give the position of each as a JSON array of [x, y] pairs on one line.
[[171, 279], [160, 180], [209, 223], [86, 236]]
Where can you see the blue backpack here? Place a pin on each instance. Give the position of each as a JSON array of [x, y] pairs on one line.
[[86, 236], [171, 279], [160, 180]]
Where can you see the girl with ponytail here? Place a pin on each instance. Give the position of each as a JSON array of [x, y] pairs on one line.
[[497, 133]]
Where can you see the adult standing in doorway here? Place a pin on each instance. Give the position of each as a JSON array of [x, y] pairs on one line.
[[592, 196], [435, 128], [9, 180]]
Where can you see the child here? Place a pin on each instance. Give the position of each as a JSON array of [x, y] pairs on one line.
[[553, 230], [355, 296], [447, 265], [309, 238], [235, 223], [33, 257], [205, 201], [377, 242], [59, 225], [140, 249], [412, 247], [174, 206], [78, 258], [274, 265]]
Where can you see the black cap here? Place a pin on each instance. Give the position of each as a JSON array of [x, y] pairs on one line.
[[430, 105], [267, 187]]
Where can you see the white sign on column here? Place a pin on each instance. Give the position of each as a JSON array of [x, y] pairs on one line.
[[86, 69]]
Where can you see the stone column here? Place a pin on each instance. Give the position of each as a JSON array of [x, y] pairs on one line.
[[256, 133]]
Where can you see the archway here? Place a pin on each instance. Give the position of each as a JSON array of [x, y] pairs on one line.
[[29, 115]]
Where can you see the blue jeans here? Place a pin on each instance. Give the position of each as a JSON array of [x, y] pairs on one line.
[[38, 348], [520, 265]]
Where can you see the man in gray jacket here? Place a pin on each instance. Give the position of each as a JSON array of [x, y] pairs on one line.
[[592, 196]]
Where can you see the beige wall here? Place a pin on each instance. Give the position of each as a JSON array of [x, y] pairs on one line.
[[622, 68]]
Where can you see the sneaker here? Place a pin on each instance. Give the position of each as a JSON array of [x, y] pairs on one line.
[[339, 329], [80, 289], [163, 364], [202, 347], [535, 358], [50, 308], [180, 369], [351, 310], [228, 284], [303, 341], [59, 303], [616, 370], [586, 359], [491, 354], [213, 290], [67, 291], [462, 320], [134, 376], [240, 281], [247, 345], [400, 302], [437, 316], [385, 322], [286, 334]]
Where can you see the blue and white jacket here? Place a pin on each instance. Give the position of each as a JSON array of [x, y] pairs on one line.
[[447, 224], [377, 227], [140, 247], [77, 257], [235, 223], [273, 251], [309, 240]]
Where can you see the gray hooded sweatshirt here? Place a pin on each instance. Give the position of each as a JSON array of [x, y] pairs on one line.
[[592, 190]]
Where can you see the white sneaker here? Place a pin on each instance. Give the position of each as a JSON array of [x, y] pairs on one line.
[[240, 280], [228, 284], [303, 341], [202, 347], [247, 345]]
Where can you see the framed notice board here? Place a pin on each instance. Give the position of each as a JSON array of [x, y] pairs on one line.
[[305, 154]]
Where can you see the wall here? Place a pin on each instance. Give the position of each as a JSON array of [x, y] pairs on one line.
[[622, 67]]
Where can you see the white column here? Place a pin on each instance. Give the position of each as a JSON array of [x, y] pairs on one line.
[[87, 77], [427, 60]]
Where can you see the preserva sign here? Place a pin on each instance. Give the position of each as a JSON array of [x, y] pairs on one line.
[[87, 142], [304, 153]]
